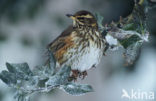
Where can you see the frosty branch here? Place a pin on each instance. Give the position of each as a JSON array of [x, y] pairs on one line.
[[128, 33]]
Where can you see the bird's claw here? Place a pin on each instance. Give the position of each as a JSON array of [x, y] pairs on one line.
[[82, 75], [76, 73]]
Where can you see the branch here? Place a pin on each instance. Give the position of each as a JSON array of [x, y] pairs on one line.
[[41, 79], [128, 32]]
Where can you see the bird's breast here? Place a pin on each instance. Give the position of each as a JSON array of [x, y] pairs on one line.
[[86, 53], [86, 58]]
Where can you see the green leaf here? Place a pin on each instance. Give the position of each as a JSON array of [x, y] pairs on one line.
[[129, 41], [77, 89], [130, 26]]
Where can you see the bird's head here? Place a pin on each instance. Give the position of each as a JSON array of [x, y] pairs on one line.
[[83, 18]]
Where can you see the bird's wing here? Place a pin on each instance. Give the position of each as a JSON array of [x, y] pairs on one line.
[[60, 45]]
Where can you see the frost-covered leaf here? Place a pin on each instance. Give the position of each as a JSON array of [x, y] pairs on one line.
[[60, 78], [43, 71], [129, 41], [20, 67], [8, 78], [22, 70], [126, 38], [48, 70], [99, 19], [21, 96], [77, 89], [122, 34], [129, 26], [132, 52], [39, 70], [52, 62]]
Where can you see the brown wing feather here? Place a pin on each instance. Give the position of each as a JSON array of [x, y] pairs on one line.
[[60, 45], [59, 41]]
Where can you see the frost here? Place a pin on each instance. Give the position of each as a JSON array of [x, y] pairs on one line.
[[132, 52], [8, 78], [60, 78], [129, 33], [145, 37], [77, 89], [21, 71], [111, 40], [41, 79]]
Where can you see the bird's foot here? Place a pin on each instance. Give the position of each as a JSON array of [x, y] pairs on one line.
[[75, 74], [82, 75]]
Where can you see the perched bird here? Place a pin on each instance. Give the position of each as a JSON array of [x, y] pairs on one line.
[[80, 46]]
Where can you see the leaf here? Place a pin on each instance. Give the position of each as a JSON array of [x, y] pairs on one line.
[[43, 71], [129, 41], [8, 78], [132, 52], [21, 96], [52, 62], [39, 70], [48, 70], [99, 19], [77, 89], [21, 70], [60, 78], [129, 26], [121, 34]]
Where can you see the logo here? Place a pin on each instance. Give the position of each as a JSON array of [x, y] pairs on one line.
[[137, 95]]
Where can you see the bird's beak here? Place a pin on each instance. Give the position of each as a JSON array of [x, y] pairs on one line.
[[71, 16]]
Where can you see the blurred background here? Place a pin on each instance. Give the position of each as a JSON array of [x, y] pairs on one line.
[[27, 26]]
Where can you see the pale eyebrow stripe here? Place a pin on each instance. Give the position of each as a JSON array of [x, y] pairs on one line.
[[86, 16]]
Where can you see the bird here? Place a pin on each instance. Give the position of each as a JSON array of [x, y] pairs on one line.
[[80, 46]]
